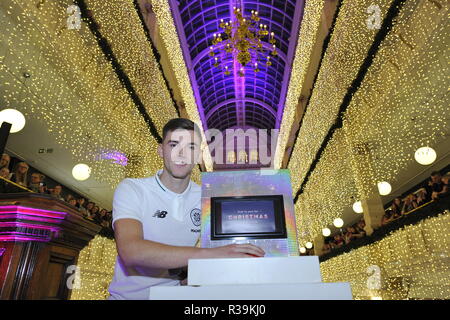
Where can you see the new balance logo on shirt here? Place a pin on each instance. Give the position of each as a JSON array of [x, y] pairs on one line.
[[160, 214]]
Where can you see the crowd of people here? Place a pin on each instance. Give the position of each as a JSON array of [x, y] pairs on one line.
[[35, 182], [436, 187]]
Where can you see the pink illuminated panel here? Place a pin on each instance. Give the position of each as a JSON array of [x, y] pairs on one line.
[[18, 223]]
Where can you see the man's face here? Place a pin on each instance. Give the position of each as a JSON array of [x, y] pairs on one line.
[[436, 178], [35, 179], [180, 151], [58, 189]]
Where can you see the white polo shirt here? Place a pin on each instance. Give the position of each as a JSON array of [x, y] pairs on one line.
[[167, 217]]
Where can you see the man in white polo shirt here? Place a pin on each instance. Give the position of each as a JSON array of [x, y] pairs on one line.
[[156, 220]]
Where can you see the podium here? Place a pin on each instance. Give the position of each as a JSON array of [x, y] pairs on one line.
[[271, 278]]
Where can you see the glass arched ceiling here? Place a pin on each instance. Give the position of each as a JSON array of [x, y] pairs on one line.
[[256, 100]]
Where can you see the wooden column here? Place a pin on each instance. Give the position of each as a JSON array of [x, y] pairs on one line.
[[40, 237]]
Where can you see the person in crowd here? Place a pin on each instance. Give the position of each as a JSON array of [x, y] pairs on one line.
[[326, 248], [409, 204], [4, 172], [359, 232], [89, 208], [396, 208], [56, 192], [350, 234], [95, 212], [69, 197], [80, 206], [360, 228], [109, 219], [5, 160], [338, 241], [421, 196], [387, 217], [72, 202], [439, 186], [35, 182], [101, 218], [20, 174], [43, 186]]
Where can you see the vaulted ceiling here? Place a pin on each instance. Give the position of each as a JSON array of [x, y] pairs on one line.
[[225, 101]]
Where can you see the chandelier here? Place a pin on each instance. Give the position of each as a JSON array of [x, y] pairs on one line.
[[242, 42]]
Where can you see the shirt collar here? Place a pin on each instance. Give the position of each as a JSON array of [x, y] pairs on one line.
[[165, 189]]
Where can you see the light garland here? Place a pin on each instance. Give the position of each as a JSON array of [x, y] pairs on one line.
[[72, 89], [413, 263], [135, 55], [346, 52], [378, 137], [330, 189], [96, 269], [306, 39]]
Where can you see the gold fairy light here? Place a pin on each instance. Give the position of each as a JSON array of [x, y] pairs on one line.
[[346, 52], [413, 263], [306, 39], [96, 268], [401, 104], [73, 90]]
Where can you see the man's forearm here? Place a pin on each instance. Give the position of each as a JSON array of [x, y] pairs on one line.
[[150, 254]]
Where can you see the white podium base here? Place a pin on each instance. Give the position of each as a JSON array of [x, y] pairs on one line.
[[274, 278], [303, 291], [271, 270]]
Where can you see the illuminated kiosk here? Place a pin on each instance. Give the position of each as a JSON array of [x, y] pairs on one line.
[[253, 206]]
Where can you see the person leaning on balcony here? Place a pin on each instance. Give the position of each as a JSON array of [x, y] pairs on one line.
[[4, 162], [4, 173], [20, 174], [409, 204], [439, 186], [35, 182]]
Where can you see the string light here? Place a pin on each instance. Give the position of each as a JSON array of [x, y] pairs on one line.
[[398, 107], [72, 89], [306, 39], [413, 263]]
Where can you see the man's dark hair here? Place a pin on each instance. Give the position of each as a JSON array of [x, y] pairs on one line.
[[435, 173], [180, 123]]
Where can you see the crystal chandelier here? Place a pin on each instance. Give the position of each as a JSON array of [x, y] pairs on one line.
[[243, 42]]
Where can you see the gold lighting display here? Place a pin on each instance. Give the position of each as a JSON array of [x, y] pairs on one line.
[[243, 41], [333, 177], [413, 263], [346, 52], [306, 39], [401, 105], [95, 270], [72, 88]]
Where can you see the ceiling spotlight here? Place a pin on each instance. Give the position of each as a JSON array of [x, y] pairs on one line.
[[302, 250], [357, 207], [81, 172], [326, 232], [338, 222], [425, 155], [384, 188], [308, 245], [14, 117]]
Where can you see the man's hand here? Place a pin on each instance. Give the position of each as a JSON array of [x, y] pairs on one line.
[[235, 251]]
